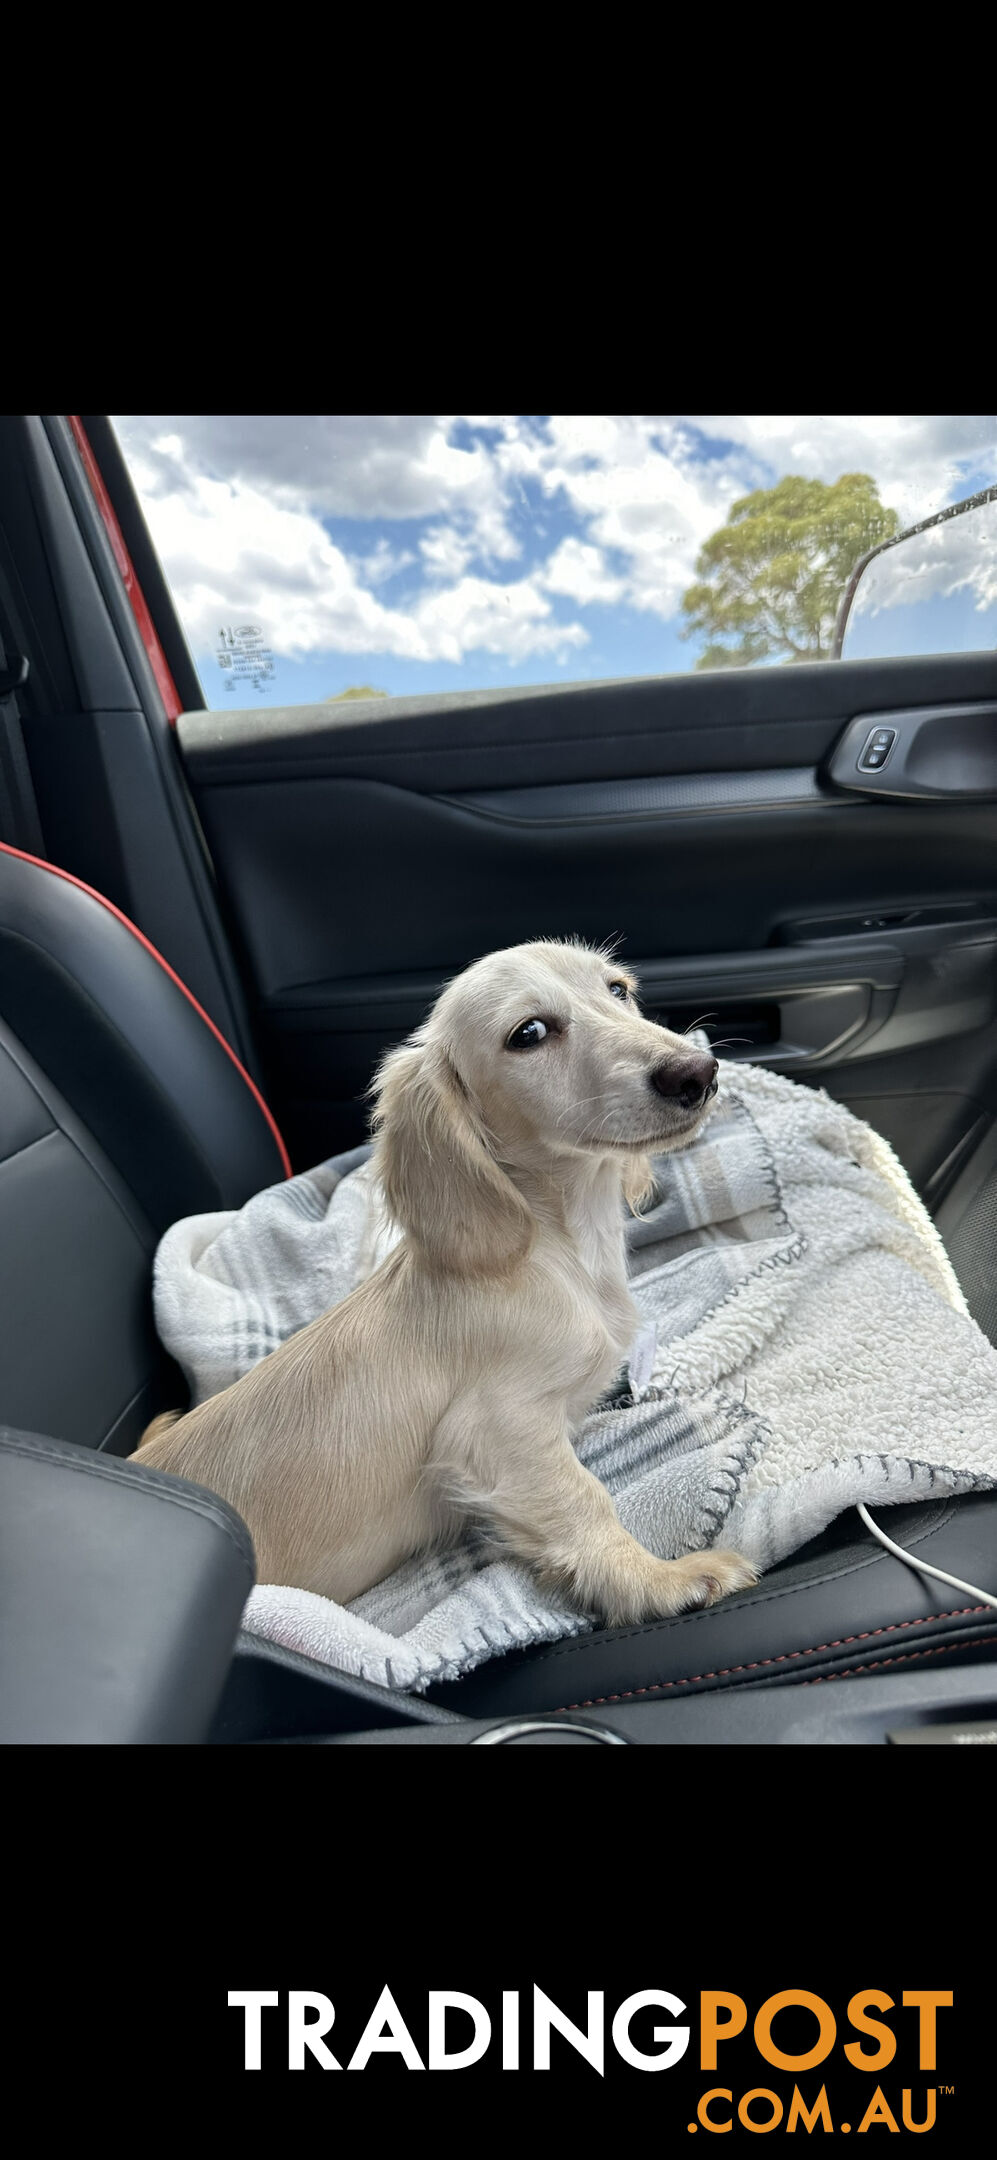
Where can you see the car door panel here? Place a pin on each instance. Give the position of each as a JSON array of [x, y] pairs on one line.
[[744, 720], [836, 933]]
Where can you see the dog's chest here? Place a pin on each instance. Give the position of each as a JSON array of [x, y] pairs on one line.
[[601, 1279], [599, 1251]]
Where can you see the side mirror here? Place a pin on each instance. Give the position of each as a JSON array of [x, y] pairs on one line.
[[931, 589]]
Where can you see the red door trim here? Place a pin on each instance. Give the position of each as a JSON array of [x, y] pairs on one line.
[[147, 630]]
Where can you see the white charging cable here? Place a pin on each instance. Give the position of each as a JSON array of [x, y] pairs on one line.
[[983, 1596]]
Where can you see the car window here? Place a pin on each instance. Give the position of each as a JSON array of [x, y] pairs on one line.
[[334, 557]]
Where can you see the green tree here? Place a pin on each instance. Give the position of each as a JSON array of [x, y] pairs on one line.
[[356, 690], [771, 580]]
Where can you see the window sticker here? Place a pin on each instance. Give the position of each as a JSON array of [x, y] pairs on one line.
[[245, 658]]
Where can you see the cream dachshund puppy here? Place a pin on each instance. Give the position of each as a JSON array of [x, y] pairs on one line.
[[510, 1130]]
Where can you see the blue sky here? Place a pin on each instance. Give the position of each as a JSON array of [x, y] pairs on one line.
[[424, 554]]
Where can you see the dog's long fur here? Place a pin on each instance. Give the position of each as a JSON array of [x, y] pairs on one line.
[[450, 1383]]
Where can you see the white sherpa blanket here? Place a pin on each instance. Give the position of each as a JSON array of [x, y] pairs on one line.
[[806, 1346]]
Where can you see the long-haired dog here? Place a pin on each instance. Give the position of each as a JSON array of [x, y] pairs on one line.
[[511, 1129]]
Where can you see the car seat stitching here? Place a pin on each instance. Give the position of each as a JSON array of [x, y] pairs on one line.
[[977, 1642], [786, 1657]]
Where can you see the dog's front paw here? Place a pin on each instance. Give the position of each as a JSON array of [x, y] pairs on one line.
[[698, 1580], [724, 1572]]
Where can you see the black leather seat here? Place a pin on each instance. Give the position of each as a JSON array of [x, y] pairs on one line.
[[121, 1109]]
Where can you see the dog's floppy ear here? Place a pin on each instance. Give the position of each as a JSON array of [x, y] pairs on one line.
[[440, 1181]]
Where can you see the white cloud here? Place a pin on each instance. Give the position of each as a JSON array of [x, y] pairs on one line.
[[580, 573], [232, 552], [445, 552], [918, 460], [653, 505], [383, 562], [514, 620], [368, 466]]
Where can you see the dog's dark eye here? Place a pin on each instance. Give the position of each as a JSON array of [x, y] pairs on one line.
[[528, 1035], [619, 990]]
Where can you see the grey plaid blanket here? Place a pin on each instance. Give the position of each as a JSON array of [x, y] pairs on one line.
[[805, 1346]]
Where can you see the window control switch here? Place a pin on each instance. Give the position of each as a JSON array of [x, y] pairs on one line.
[[876, 749]]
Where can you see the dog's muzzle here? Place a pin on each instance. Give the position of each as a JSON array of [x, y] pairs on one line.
[[689, 1081]]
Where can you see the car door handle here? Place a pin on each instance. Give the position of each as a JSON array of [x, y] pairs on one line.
[[941, 752], [786, 1006], [837, 997]]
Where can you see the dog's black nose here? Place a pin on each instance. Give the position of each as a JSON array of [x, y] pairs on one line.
[[687, 1080]]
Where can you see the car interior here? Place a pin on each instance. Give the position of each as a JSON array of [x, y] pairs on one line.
[[212, 926]]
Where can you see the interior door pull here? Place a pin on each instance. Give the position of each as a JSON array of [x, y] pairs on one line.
[[943, 752]]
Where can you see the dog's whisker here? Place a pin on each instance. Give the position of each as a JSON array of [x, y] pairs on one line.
[[579, 1102]]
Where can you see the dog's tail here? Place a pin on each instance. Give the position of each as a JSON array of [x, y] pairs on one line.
[[159, 1426]]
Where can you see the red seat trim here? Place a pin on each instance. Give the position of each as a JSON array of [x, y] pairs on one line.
[[68, 879]]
